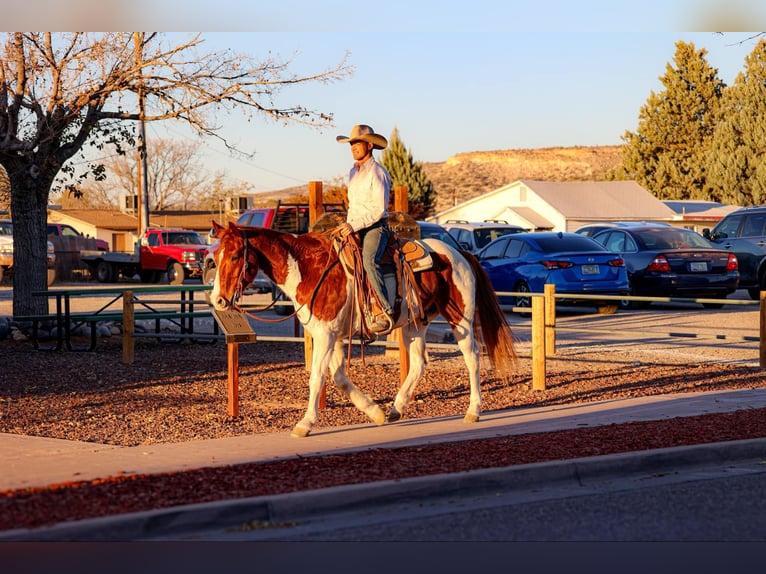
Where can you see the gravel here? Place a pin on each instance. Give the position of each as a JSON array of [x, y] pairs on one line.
[[177, 392]]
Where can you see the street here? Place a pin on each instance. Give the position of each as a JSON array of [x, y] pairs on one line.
[[708, 503]]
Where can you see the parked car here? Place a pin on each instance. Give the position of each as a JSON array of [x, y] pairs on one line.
[[6, 253], [743, 232], [64, 230], [575, 264], [474, 236], [436, 231], [591, 229], [672, 262]]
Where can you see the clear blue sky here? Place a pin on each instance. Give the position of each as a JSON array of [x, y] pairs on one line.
[[452, 77], [458, 92]]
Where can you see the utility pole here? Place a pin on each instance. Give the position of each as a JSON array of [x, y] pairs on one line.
[[143, 186]]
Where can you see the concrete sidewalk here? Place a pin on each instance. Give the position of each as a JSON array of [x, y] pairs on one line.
[[37, 462]]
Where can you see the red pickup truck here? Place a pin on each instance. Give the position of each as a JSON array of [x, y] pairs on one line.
[[178, 253]]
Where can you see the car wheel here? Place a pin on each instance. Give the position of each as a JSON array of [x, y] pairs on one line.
[[524, 301], [104, 272], [755, 293], [175, 273], [208, 278]]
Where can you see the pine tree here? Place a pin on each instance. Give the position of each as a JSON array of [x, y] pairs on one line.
[[737, 172], [667, 153], [397, 159]]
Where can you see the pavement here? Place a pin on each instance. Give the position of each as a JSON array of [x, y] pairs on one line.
[[30, 461]]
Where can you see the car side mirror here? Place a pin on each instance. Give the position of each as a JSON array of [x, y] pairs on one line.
[[706, 233]]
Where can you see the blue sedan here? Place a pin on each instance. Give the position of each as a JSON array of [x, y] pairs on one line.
[[575, 264]]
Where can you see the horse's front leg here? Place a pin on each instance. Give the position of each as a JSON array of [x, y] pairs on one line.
[[319, 361], [415, 341], [361, 400]]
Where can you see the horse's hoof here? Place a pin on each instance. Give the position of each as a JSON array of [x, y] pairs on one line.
[[300, 432], [377, 415], [471, 418], [394, 416]]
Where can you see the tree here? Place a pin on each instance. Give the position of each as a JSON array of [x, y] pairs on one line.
[[736, 167], [5, 191], [667, 153], [175, 178], [61, 92], [397, 159]]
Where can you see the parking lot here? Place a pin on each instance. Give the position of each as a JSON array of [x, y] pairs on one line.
[[686, 331]]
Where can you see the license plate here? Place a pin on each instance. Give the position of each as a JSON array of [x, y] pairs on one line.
[[590, 269], [698, 266]]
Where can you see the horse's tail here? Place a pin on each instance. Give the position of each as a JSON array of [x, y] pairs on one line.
[[490, 324]]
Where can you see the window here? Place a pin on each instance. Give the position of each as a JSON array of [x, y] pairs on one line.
[[754, 225]]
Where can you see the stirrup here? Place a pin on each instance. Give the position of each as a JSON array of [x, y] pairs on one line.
[[381, 324]]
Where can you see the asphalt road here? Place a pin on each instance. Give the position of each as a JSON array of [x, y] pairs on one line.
[[721, 503]]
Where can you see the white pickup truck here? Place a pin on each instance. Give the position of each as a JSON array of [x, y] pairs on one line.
[[6, 252]]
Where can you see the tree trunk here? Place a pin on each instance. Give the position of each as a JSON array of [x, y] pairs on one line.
[[29, 211]]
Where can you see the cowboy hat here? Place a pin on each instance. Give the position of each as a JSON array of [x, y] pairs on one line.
[[365, 134]]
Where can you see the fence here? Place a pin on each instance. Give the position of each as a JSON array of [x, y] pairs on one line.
[[544, 324]]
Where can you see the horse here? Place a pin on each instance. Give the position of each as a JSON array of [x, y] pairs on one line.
[[307, 269]]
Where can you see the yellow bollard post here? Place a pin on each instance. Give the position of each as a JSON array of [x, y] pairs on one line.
[[538, 344]]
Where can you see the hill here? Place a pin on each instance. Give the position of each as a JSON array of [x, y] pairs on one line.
[[467, 175]]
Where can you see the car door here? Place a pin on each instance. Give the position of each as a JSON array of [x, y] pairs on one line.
[[743, 235]]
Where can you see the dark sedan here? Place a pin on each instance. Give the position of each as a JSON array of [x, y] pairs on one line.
[[672, 262], [575, 264]]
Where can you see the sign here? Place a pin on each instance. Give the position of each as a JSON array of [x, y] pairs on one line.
[[235, 326]]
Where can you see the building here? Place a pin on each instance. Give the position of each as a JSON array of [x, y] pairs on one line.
[[120, 228], [561, 206]]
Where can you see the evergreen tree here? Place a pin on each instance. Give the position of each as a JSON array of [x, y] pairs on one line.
[[667, 153], [406, 172], [737, 172]]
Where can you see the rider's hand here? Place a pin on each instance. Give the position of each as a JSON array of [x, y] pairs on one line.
[[344, 230]]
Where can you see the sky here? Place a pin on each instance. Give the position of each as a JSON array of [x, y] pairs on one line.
[[452, 77]]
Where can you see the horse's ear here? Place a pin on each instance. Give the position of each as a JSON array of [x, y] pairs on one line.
[[232, 227], [216, 227]]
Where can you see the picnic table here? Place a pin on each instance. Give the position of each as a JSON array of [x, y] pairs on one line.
[[146, 303]]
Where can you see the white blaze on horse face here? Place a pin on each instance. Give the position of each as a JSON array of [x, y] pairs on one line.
[[216, 291]]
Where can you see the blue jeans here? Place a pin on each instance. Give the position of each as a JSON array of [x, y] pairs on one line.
[[374, 241]]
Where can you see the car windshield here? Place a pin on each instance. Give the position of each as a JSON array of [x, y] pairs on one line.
[[439, 233], [672, 239], [575, 242], [183, 238], [486, 234]]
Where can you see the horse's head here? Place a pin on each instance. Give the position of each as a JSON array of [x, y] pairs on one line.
[[233, 270]]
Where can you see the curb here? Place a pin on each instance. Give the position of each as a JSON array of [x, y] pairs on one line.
[[177, 520]]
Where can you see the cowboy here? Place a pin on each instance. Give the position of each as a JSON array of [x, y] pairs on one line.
[[369, 188]]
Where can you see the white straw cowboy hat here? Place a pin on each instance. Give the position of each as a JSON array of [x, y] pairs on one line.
[[365, 134]]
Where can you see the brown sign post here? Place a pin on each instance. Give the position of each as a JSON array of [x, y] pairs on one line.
[[236, 328]]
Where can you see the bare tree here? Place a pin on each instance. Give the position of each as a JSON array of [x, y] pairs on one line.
[[176, 179], [61, 92]]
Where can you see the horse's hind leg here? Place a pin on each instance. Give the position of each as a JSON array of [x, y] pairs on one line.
[[361, 400], [470, 349], [416, 349]]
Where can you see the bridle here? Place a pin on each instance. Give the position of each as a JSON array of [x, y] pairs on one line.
[[239, 289]]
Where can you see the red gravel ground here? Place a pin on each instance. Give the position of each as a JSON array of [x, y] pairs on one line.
[[178, 393]]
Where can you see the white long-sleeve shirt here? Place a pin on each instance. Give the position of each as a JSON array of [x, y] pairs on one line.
[[369, 188]]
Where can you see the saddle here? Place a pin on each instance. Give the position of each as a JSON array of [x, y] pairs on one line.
[[404, 257]]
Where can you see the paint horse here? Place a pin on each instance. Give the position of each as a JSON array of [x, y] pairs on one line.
[[307, 269]]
